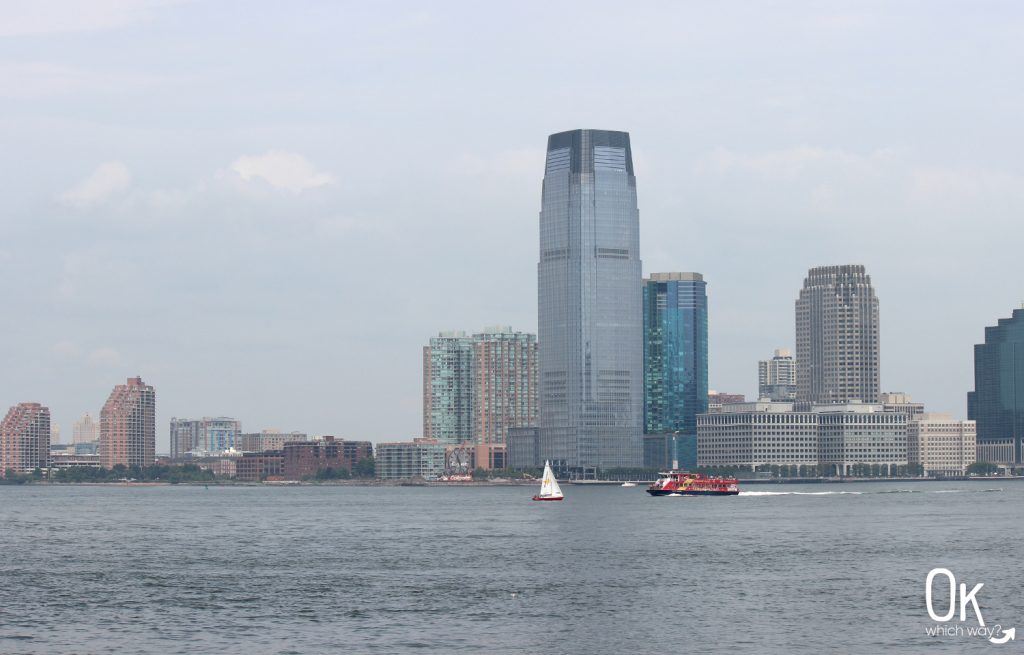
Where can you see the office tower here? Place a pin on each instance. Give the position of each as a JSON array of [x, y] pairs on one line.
[[776, 377], [205, 436], [589, 303], [25, 439], [448, 388], [837, 349], [504, 375], [675, 352], [85, 430], [128, 425], [997, 402]]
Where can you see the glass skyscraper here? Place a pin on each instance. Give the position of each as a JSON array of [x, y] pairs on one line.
[[675, 352], [589, 309], [997, 402]]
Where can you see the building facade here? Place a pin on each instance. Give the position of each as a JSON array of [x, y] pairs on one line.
[[419, 458], [504, 376], [776, 377], [675, 307], [25, 439], [204, 437], [837, 337], [85, 430], [448, 388], [255, 467], [841, 440], [589, 303], [254, 442], [128, 425], [941, 445], [305, 459], [997, 402]]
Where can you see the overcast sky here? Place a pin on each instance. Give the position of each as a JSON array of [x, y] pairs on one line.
[[265, 209]]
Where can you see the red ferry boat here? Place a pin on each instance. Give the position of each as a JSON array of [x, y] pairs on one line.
[[680, 483]]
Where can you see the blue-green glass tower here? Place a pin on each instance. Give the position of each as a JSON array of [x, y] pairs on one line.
[[997, 402], [675, 356]]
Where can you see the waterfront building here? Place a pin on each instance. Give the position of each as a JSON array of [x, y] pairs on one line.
[[419, 458], [254, 467], [203, 437], [848, 439], [68, 460], [940, 444], [675, 307], [305, 459], [25, 439], [776, 377], [522, 448], [85, 430], [128, 425], [897, 401], [757, 434], [589, 303], [861, 439], [666, 451], [997, 402], [504, 375], [448, 388], [837, 337]]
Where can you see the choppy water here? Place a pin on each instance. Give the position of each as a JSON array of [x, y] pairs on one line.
[[786, 569]]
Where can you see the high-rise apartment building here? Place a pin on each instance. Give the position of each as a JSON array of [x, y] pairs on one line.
[[776, 377], [589, 303], [675, 323], [448, 388], [25, 439], [128, 425], [476, 388], [205, 436], [837, 341], [997, 402], [504, 383], [85, 430]]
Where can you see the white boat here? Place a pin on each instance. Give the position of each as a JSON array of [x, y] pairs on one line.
[[549, 489], [628, 484]]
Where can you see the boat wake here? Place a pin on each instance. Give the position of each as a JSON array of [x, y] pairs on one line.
[[801, 493]]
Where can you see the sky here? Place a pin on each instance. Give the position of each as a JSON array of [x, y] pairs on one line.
[[266, 209]]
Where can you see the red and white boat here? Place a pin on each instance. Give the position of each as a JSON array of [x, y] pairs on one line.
[[681, 483], [549, 489]]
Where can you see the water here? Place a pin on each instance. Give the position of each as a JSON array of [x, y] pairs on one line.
[[778, 569]]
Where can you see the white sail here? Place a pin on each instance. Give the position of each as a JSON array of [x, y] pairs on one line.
[[549, 485]]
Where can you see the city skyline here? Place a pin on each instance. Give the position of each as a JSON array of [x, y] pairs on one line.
[[239, 259]]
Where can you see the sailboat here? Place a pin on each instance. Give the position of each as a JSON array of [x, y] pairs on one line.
[[549, 489]]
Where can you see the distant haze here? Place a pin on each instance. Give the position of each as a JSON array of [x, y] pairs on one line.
[[266, 209]]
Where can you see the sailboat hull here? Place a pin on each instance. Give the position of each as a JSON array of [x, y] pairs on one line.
[[548, 498]]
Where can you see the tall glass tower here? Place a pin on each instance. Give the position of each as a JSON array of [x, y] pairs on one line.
[[997, 402], [589, 308], [675, 352]]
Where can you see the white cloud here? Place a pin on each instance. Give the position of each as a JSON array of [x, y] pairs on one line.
[[281, 170], [36, 17], [108, 179]]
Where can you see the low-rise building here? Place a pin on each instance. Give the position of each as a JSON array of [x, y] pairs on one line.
[[522, 448], [942, 445], [306, 459], [254, 467], [419, 458]]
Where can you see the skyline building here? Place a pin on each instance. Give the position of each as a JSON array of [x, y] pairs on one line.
[[675, 307], [128, 425], [25, 439], [837, 337], [997, 402], [940, 444], [504, 383], [204, 436], [85, 430], [776, 377], [589, 303], [448, 388]]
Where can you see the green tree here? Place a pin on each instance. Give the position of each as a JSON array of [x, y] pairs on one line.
[[982, 468], [365, 468]]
